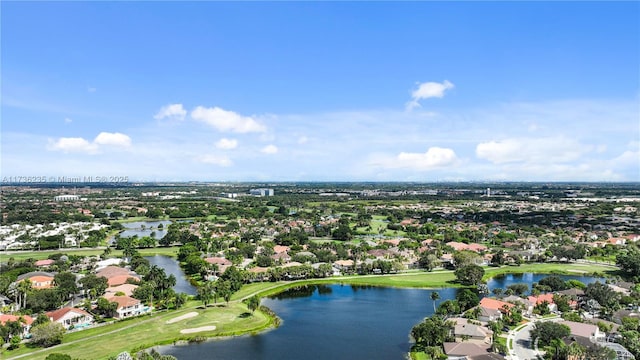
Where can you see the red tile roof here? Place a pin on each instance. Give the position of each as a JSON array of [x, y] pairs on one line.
[[541, 298], [4, 318], [494, 304], [45, 262], [119, 279], [57, 314]]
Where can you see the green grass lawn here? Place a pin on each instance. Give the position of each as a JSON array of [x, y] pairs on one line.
[[147, 331], [551, 268], [421, 355], [38, 255], [135, 334]]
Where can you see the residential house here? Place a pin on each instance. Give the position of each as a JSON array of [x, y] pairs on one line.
[[525, 304], [281, 249], [344, 264], [25, 320], [71, 317], [39, 279], [281, 257], [222, 263], [126, 289], [127, 306], [573, 293], [261, 274], [492, 309], [537, 300], [45, 263], [108, 262], [583, 332], [465, 331], [464, 350], [117, 275]]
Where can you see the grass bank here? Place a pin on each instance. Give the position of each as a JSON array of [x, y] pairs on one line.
[[552, 268], [423, 279], [145, 332]]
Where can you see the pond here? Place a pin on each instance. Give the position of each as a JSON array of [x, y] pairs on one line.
[[171, 266], [503, 281], [338, 322], [143, 228]]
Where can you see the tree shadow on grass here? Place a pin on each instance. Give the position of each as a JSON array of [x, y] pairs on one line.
[[244, 315]]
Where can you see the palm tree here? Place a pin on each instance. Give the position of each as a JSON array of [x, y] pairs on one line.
[[24, 287], [434, 296]]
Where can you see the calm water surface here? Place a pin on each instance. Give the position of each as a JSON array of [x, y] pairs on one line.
[[136, 228], [171, 266], [338, 322], [328, 322]]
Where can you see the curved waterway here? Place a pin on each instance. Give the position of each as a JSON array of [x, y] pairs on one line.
[[171, 266], [338, 322]]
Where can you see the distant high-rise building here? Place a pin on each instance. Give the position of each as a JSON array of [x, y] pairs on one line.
[[488, 192]]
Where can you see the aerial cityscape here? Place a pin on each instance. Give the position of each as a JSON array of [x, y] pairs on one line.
[[320, 180]]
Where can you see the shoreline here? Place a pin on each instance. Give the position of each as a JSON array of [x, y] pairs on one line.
[[399, 280]]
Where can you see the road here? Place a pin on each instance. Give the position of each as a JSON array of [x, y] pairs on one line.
[[522, 346]]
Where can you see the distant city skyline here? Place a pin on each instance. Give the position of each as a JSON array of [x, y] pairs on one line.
[[321, 91]]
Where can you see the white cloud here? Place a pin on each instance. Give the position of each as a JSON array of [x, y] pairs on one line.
[[532, 150], [302, 140], [224, 120], [81, 145], [269, 149], [67, 120], [628, 158], [112, 139], [428, 90], [171, 111], [216, 160], [72, 145], [434, 158], [227, 144]]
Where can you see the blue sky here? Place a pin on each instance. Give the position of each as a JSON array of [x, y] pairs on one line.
[[375, 91]]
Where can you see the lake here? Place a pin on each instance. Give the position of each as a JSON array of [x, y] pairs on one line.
[[503, 281], [338, 322], [171, 266], [145, 228]]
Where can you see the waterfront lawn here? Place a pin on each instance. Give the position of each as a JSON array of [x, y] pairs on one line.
[[416, 279], [423, 279], [133, 335], [552, 268]]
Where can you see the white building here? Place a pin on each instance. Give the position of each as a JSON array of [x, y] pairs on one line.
[[128, 306], [69, 317], [67, 198], [261, 192]]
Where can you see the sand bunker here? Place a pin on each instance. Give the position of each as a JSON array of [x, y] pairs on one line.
[[182, 317], [199, 329]]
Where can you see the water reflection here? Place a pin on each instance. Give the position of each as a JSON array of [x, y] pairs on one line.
[[339, 322], [171, 266], [303, 291]]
